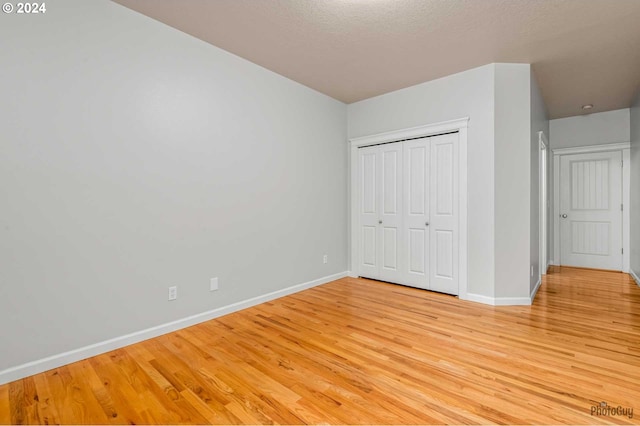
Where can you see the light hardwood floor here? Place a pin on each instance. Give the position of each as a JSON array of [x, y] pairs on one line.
[[356, 351]]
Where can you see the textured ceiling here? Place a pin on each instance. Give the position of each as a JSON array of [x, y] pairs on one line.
[[582, 51]]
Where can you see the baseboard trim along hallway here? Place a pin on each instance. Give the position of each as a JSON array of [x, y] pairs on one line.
[[498, 301], [58, 360], [532, 296]]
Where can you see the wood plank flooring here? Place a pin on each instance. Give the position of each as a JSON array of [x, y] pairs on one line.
[[356, 351]]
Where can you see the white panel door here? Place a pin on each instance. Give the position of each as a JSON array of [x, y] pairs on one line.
[[408, 213], [390, 229], [444, 214], [416, 212], [368, 204], [591, 210]]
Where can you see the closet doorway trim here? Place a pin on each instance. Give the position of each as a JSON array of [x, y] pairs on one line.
[[459, 125]]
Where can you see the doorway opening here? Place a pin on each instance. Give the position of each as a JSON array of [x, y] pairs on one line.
[[544, 203]]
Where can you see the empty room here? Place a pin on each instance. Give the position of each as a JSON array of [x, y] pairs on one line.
[[320, 212]]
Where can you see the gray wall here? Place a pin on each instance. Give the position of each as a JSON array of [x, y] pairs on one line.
[[505, 113], [134, 157], [469, 93], [539, 123], [513, 212], [590, 129], [635, 186]]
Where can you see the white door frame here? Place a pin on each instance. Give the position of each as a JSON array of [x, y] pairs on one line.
[[543, 190], [623, 147], [460, 126]]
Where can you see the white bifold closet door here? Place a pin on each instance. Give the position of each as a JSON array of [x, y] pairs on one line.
[[408, 219], [381, 211]]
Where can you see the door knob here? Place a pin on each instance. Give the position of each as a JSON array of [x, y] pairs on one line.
[[426, 224], [379, 221], [564, 216]]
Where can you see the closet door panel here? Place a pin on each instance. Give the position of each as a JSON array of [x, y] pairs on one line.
[[443, 266], [444, 214], [391, 212], [369, 246], [368, 205], [416, 212]]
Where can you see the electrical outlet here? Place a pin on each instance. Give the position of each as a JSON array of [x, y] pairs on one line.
[[173, 293], [213, 284], [325, 259]]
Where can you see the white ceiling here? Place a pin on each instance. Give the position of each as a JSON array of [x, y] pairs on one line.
[[582, 51]]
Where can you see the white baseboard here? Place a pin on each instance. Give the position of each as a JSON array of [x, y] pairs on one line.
[[635, 276], [479, 298], [513, 301], [352, 274], [58, 360], [498, 301], [532, 296]]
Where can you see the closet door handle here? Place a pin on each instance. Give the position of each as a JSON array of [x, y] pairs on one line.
[[426, 224], [380, 222]]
